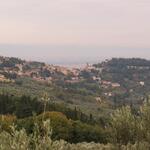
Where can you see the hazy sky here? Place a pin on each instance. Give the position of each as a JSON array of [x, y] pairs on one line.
[[82, 29]]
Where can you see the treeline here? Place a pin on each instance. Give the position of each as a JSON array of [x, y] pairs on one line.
[[25, 106], [9, 62], [125, 125], [126, 130], [64, 128], [68, 124], [123, 62], [118, 69]]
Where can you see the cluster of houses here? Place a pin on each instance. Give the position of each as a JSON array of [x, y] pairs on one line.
[[73, 73], [76, 77], [106, 84], [139, 67], [35, 72], [4, 79]]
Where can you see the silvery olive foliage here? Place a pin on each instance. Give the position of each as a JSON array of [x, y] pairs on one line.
[[19, 140], [129, 132]]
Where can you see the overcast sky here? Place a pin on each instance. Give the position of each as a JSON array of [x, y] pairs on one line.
[[73, 30]]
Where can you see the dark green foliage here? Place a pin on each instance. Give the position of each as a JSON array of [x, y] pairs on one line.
[[83, 132], [129, 127], [26, 106], [63, 128], [128, 73], [10, 62]]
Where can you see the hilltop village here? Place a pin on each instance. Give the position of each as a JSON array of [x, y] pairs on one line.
[[11, 68], [117, 79]]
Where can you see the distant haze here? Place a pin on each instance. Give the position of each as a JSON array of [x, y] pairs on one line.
[[74, 31], [70, 54]]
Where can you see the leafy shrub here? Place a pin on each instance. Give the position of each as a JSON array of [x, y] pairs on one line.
[[20, 140], [124, 126], [6, 121]]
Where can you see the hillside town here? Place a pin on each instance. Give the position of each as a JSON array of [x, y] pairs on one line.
[[48, 73]]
